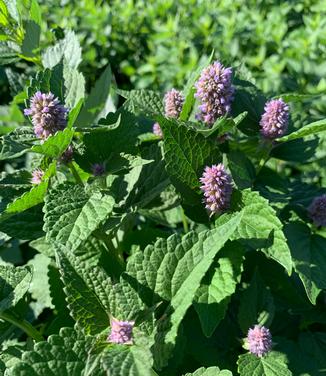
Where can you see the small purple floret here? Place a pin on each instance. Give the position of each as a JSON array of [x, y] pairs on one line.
[[173, 102], [48, 115], [259, 340], [217, 188], [157, 130], [37, 176], [98, 169], [121, 332], [67, 155], [215, 92], [275, 120], [317, 210]]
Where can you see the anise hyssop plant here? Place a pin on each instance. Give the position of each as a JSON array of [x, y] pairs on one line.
[[146, 233]]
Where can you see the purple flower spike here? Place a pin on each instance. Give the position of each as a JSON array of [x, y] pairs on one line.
[[173, 102], [317, 210], [215, 92], [274, 121], [37, 176], [98, 169], [259, 340], [121, 332], [157, 130], [48, 115], [217, 188]]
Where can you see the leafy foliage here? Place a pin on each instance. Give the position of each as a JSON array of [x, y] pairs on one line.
[[109, 262]]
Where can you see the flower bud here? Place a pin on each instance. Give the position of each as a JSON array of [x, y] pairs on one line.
[[317, 210], [48, 115], [157, 130], [217, 188], [215, 92], [37, 176], [274, 121], [259, 340], [173, 102], [121, 332]]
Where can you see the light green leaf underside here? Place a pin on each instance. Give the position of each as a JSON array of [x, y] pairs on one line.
[[273, 364]]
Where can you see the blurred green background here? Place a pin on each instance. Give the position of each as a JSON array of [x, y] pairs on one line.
[[156, 43]]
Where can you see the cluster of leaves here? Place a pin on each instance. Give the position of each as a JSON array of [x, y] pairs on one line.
[[136, 242]]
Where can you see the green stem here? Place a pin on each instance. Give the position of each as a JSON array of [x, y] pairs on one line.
[[75, 173], [184, 222], [23, 325]]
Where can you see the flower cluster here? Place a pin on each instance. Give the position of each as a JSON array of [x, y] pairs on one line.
[[37, 176], [217, 188], [274, 121], [173, 102], [259, 340], [121, 332], [48, 115], [157, 130], [317, 210], [215, 92]]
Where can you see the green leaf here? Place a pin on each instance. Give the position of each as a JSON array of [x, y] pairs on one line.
[[39, 287], [17, 143], [74, 83], [189, 89], [62, 354], [295, 97], [67, 49], [150, 180], [41, 82], [55, 145], [29, 199], [96, 100], [217, 287], [31, 40], [26, 225], [73, 220], [273, 364], [123, 128], [309, 129], [8, 54], [12, 9], [142, 101], [84, 304], [251, 100], [186, 153], [309, 258], [242, 169], [256, 305], [35, 12], [33, 197], [173, 271], [73, 114], [211, 371], [314, 345], [133, 360], [261, 229], [42, 246], [296, 150], [14, 284]]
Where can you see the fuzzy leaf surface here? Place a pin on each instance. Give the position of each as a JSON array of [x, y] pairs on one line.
[[73, 220]]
